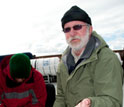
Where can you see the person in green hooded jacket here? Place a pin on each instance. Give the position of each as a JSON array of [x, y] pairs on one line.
[[89, 73]]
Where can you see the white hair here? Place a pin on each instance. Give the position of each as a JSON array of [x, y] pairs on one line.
[[82, 44]]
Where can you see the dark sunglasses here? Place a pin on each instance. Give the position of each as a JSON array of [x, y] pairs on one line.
[[75, 27]]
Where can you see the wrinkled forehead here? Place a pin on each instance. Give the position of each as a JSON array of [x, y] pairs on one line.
[[72, 23]]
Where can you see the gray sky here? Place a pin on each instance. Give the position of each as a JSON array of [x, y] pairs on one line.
[[35, 26]]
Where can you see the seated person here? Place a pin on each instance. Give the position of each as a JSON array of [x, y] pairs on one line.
[[20, 84]]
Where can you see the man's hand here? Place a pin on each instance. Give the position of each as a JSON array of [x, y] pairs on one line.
[[84, 103]]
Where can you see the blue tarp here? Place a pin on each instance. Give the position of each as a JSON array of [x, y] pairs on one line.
[[27, 53]]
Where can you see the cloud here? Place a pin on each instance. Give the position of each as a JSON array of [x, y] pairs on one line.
[[35, 25], [117, 43]]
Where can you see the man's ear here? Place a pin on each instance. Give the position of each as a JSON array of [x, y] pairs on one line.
[[90, 30]]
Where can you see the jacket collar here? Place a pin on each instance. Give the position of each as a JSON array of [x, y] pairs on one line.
[[99, 43], [89, 48], [91, 45]]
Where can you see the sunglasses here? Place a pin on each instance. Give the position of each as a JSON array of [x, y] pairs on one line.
[[75, 27]]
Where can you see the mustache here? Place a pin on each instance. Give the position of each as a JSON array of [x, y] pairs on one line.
[[72, 38]]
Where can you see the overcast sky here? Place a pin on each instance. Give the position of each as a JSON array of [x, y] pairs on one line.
[[35, 25]]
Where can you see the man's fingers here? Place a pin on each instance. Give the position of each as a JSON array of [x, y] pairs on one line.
[[84, 103]]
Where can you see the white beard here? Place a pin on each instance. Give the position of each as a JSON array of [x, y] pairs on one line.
[[83, 42]]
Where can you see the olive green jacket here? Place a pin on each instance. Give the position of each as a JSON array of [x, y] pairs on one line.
[[99, 78]]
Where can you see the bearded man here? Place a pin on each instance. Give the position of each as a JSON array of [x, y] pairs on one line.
[[89, 73]]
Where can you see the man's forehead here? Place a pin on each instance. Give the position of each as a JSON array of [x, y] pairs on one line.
[[74, 22]]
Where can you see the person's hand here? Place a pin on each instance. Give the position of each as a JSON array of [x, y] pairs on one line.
[[84, 103]]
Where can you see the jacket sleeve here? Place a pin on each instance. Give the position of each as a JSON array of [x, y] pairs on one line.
[[1, 104], [60, 101], [108, 78], [1, 91], [40, 91]]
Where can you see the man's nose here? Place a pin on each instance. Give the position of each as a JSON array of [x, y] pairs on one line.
[[72, 32]]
